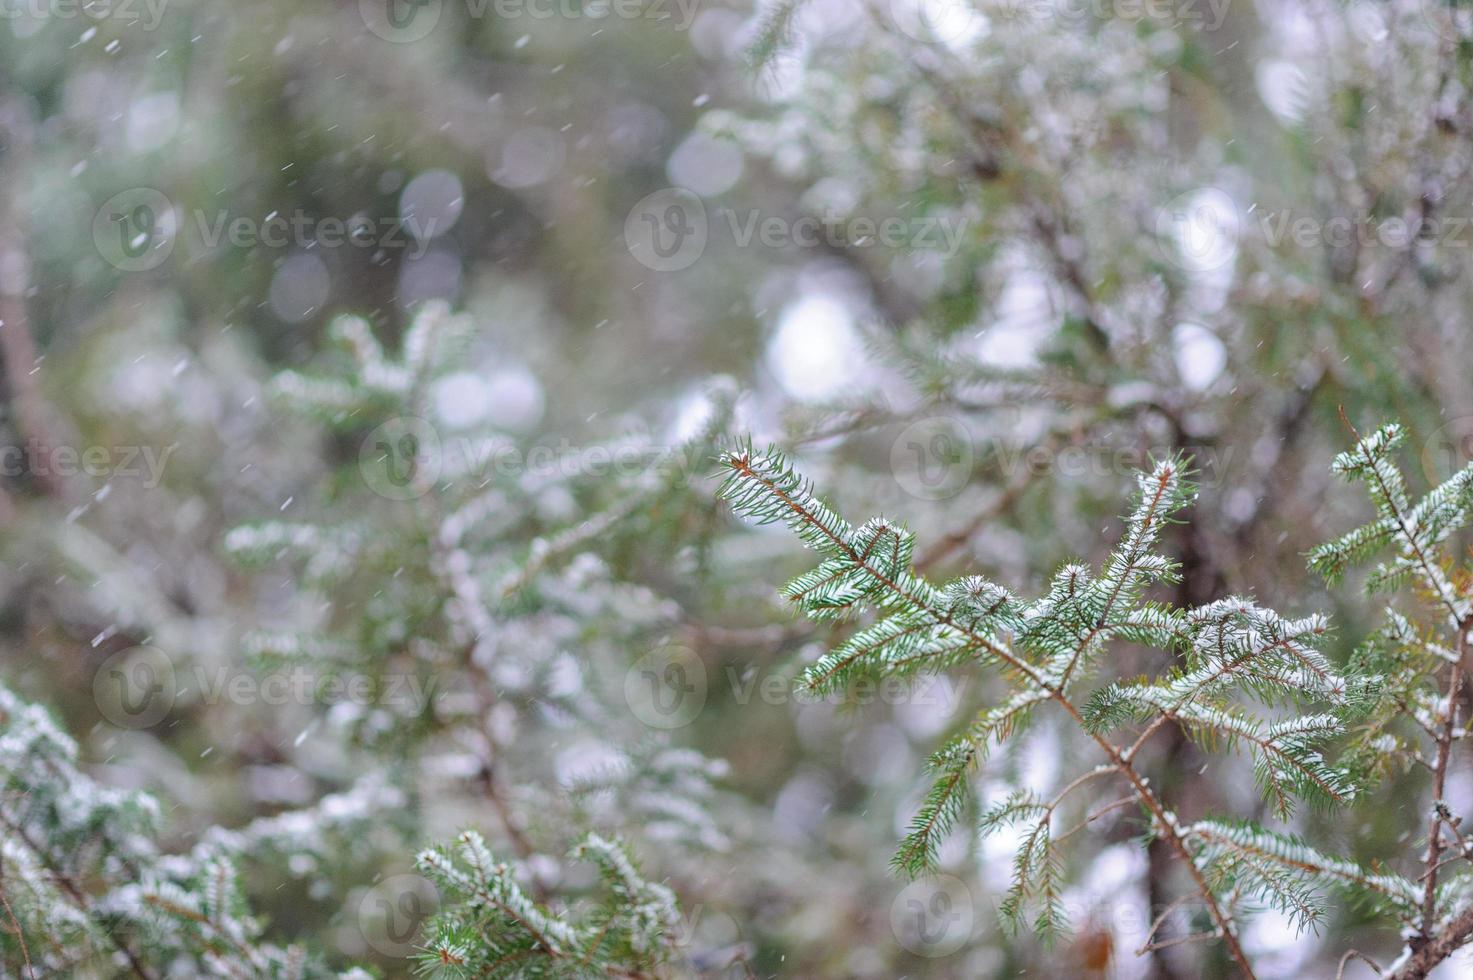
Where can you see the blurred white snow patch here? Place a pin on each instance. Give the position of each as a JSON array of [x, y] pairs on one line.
[[530, 156], [462, 399], [879, 755], [1130, 393], [434, 275], [453, 765], [816, 351], [145, 382], [1205, 224], [1273, 940], [931, 702], [1368, 22], [152, 121], [831, 196], [1027, 311], [1200, 355], [802, 805], [717, 34], [1115, 869], [1240, 504], [635, 131], [693, 410], [27, 26], [278, 784], [995, 851], [587, 760], [1108, 894], [431, 204], [830, 19], [1458, 966], [1039, 762], [510, 398], [517, 399], [956, 23], [1284, 88], [299, 287], [704, 165], [565, 680], [1299, 30]]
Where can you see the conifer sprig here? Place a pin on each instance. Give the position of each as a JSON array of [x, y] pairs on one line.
[[1240, 667], [490, 927], [1037, 646], [1421, 672]]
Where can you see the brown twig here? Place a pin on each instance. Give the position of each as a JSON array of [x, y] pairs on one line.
[[1357, 954], [1439, 782], [20, 934]]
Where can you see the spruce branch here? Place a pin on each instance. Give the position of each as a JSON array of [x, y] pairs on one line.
[[1418, 533], [1233, 653], [1053, 636], [490, 927]]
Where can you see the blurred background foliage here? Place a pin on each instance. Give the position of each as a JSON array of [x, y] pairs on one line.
[[1116, 290]]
